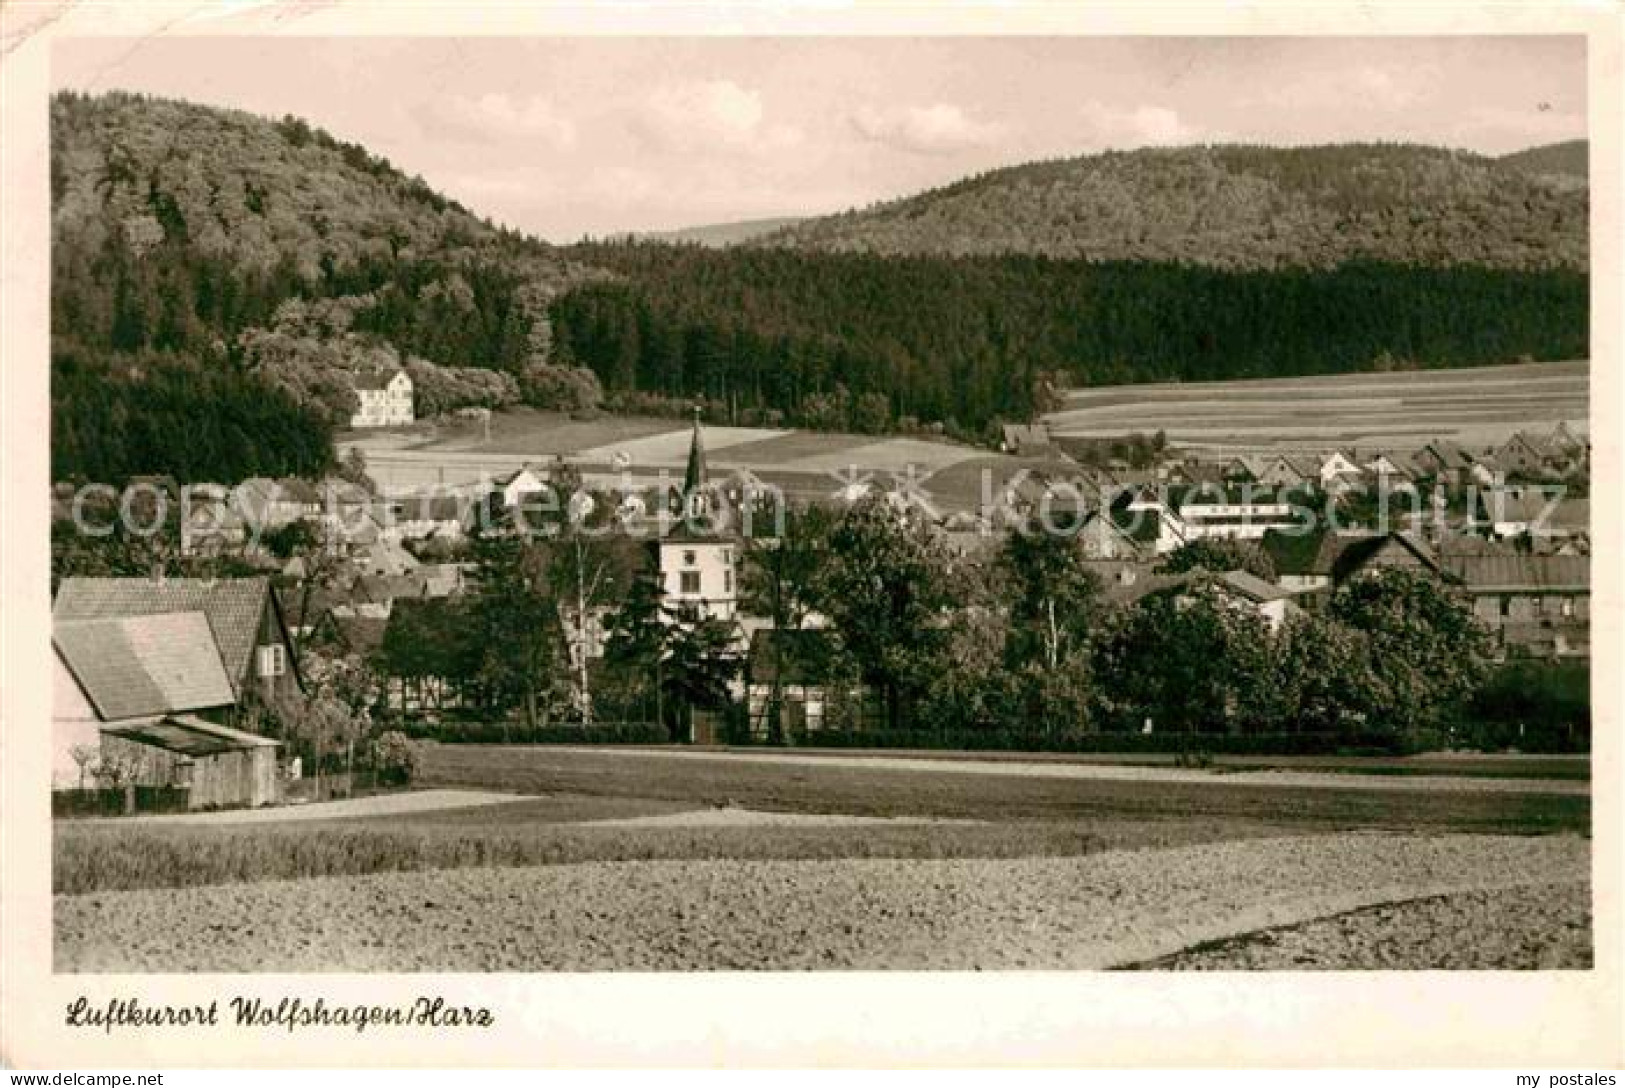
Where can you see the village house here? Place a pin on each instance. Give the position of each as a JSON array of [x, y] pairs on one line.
[[1288, 470], [126, 670], [418, 652], [1443, 461], [1244, 513], [1302, 560], [1321, 560], [244, 616], [1242, 469], [521, 484], [1383, 468], [1520, 510], [798, 664], [1025, 439], [1144, 517], [1535, 605], [264, 503], [140, 700], [1241, 589], [383, 399], [1338, 472], [445, 517], [1522, 457]]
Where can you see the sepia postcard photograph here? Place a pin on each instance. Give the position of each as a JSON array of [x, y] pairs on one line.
[[542, 504]]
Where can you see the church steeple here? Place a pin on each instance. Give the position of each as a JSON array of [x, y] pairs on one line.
[[694, 479]]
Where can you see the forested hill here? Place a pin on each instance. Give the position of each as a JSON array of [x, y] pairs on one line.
[[217, 278], [1238, 207], [1570, 160], [180, 235]]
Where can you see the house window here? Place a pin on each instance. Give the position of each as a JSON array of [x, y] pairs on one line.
[[688, 559], [273, 660], [727, 582], [690, 581], [1568, 608]]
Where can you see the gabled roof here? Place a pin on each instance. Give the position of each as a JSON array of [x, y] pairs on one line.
[[1355, 552], [234, 607], [1238, 583], [1298, 554], [376, 379], [141, 666], [1251, 586], [293, 489], [1484, 572], [1516, 503], [1572, 514], [1139, 526], [1447, 453]]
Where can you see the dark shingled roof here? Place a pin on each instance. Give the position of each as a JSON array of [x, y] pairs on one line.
[[142, 666], [1296, 554], [1356, 551], [233, 607], [1483, 572], [374, 379]]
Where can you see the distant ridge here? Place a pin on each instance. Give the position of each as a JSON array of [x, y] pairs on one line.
[[1571, 158], [717, 235], [1242, 207]]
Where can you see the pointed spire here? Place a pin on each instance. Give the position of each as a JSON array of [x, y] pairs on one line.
[[694, 479]]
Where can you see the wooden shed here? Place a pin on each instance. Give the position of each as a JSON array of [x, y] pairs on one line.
[[220, 767]]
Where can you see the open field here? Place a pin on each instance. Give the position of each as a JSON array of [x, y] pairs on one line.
[[1572, 768], [679, 860], [1530, 928], [1477, 406], [613, 449], [863, 785], [1107, 909]]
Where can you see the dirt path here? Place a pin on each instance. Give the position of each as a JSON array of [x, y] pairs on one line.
[[1427, 783], [1535, 927], [1109, 909], [387, 804]]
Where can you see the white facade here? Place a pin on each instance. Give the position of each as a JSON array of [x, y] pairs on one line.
[[1235, 520], [702, 576], [73, 723], [387, 406]]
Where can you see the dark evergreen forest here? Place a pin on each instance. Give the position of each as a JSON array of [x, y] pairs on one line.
[[802, 338]]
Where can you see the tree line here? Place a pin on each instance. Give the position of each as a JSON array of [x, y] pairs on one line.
[[859, 342], [1021, 647]]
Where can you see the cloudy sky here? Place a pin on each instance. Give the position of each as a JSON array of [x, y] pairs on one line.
[[570, 136]]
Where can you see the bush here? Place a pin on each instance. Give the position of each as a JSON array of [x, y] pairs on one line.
[[395, 758], [1533, 706], [109, 801]]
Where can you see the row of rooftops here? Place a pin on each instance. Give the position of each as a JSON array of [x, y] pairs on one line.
[[1474, 563]]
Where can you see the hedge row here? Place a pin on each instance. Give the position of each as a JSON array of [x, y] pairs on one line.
[[510, 733], [995, 740], [111, 801]]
